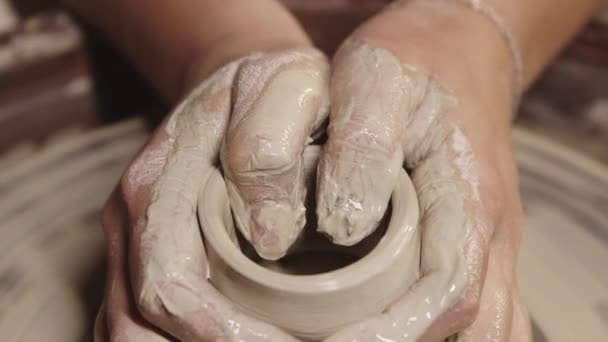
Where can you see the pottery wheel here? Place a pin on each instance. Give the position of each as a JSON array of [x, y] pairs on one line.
[[562, 267], [51, 251]]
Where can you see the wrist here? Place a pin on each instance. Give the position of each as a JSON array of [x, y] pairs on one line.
[[204, 63], [452, 42], [269, 28]]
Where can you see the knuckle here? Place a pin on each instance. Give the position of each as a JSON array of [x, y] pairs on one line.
[[366, 133], [156, 297], [258, 154], [270, 157], [149, 301]]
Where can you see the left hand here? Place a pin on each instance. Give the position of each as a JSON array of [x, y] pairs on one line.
[[429, 85], [158, 278]]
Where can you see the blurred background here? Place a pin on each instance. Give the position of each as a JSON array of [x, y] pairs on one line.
[[73, 112]]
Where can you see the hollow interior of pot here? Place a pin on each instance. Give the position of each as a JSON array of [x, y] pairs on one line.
[[314, 253]]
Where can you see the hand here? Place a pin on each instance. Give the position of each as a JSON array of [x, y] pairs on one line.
[[260, 110], [428, 85]]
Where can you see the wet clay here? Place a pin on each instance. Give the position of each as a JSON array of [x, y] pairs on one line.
[[169, 272], [316, 301], [278, 103], [437, 152], [394, 113]]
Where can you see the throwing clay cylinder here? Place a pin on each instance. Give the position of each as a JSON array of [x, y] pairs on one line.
[[318, 287]]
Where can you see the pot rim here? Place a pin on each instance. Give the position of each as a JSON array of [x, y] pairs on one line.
[[380, 259]]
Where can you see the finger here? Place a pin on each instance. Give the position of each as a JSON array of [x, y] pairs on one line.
[[117, 320], [100, 329], [455, 230], [502, 315], [167, 257], [444, 300], [454, 239], [280, 99], [495, 318], [521, 329], [371, 97], [484, 306]]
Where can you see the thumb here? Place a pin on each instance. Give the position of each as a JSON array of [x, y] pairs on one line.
[[371, 98], [280, 98]]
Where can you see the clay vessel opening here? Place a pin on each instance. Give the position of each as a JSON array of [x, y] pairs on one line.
[[314, 253]]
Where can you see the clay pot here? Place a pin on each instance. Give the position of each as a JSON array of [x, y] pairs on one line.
[[317, 288]]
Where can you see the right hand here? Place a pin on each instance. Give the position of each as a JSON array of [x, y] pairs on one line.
[[429, 85], [259, 111]]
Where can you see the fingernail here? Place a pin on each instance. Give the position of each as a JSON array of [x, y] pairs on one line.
[[274, 228], [347, 227]]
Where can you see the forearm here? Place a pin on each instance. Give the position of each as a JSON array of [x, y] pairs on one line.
[[179, 42], [543, 27], [465, 41]]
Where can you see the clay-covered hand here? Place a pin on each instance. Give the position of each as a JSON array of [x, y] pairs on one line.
[[413, 88], [259, 111]]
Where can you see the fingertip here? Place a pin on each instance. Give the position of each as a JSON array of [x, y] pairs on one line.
[[353, 192], [280, 100], [275, 227], [346, 228]]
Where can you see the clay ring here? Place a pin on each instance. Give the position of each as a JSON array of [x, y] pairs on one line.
[[312, 306]]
